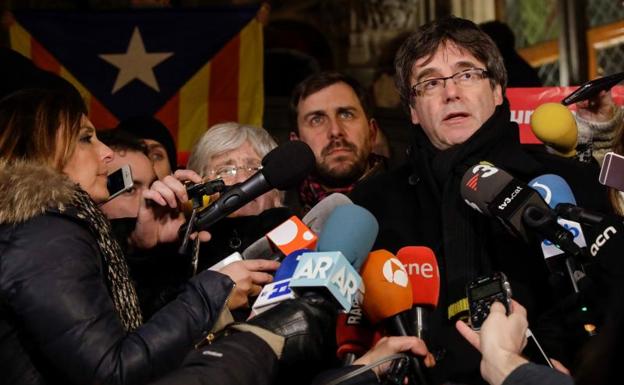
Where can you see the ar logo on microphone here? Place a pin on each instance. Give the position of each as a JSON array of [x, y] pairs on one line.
[[394, 272]]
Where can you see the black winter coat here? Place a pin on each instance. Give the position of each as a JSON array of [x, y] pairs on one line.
[[57, 320], [408, 205]]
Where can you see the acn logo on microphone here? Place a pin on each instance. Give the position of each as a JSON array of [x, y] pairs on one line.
[[394, 272]]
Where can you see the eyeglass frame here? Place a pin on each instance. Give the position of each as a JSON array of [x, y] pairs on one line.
[[484, 75], [236, 169]]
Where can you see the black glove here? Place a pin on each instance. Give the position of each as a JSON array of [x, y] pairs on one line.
[[308, 325]]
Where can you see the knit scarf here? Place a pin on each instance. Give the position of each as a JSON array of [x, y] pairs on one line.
[[118, 279], [463, 231], [313, 191]]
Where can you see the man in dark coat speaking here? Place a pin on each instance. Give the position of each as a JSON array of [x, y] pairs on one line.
[[451, 79]]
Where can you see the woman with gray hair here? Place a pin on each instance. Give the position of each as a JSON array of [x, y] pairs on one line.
[[233, 152]]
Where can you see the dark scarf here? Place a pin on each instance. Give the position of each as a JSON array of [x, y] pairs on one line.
[[463, 231], [120, 286], [313, 191]]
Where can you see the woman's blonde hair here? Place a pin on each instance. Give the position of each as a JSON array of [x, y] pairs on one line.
[[40, 125]]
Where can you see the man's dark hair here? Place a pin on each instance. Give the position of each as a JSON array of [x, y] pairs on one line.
[[122, 141], [424, 42], [314, 83]]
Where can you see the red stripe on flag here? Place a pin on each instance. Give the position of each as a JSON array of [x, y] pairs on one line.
[[169, 116], [42, 58], [223, 94], [100, 116]]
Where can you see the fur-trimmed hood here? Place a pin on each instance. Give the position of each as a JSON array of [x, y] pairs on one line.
[[27, 189]]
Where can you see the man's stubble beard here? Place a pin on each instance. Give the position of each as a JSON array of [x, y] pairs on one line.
[[334, 177]]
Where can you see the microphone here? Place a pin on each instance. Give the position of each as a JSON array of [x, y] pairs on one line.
[[278, 290], [354, 334], [494, 192], [344, 242], [554, 124], [388, 295], [314, 219], [292, 235], [593, 87], [555, 191], [422, 270], [317, 216], [350, 229], [282, 168]]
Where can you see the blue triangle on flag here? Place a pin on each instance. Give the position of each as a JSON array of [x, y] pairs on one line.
[[192, 37]]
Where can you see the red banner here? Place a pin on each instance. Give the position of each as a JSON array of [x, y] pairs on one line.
[[523, 101]]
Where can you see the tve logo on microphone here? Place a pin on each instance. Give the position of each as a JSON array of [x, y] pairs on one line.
[[329, 270]]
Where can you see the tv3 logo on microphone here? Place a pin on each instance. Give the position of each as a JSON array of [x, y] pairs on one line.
[[482, 170]]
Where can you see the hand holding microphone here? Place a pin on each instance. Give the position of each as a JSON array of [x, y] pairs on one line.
[[249, 277]]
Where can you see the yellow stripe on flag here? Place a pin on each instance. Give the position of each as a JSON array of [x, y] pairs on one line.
[[20, 39], [193, 120], [86, 95], [251, 85]]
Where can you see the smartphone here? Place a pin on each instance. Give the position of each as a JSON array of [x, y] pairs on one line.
[[482, 292], [612, 171], [119, 181], [592, 87]]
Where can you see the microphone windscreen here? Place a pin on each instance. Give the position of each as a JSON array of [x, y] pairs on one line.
[[288, 164], [354, 334], [261, 249], [288, 265], [554, 124], [317, 216], [481, 184], [554, 189], [387, 287], [350, 229], [292, 235], [422, 270]]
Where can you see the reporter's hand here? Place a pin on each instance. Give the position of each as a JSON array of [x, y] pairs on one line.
[[159, 217], [500, 341], [388, 346], [599, 108], [249, 277]]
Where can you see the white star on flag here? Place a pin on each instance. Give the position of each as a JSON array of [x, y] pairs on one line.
[[136, 63]]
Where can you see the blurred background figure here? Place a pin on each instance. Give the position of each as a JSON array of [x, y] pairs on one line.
[[160, 144], [519, 72]]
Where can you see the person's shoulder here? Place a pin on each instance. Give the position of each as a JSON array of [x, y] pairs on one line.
[[380, 181]]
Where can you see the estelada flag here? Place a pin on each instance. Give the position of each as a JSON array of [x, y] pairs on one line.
[[189, 68]]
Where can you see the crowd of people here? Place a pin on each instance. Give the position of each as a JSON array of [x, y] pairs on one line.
[[94, 290]]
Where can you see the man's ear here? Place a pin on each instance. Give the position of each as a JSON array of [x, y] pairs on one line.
[[373, 127], [414, 115], [293, 136], [498, 95]]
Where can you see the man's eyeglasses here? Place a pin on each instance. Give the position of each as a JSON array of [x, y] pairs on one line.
[[465, 78], [228, 172]]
